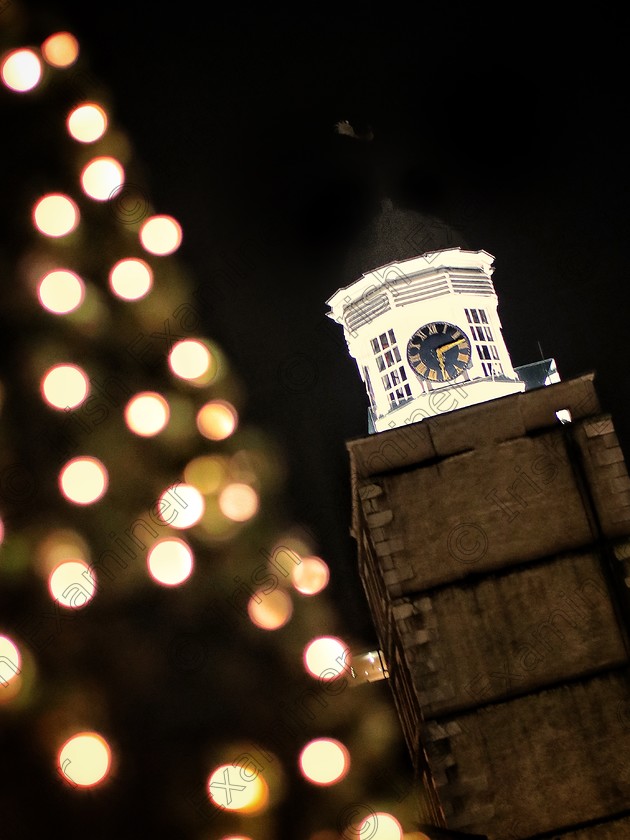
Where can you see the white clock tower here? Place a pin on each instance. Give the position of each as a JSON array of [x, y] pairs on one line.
[[426, 336]]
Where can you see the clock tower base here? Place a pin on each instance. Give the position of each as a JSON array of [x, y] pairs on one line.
[[494, 550]]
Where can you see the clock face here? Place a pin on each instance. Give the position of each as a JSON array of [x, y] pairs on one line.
[[439, 351]]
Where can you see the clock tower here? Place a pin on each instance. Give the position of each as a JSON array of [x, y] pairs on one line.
[[426, 336]]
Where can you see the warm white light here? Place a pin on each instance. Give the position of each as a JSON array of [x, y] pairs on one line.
[[310, 576], [65, 386], [324, 761], [326, 657], [190, 359], [55, 215], [61, 49], [102, 177], [131, 279], [83, 480], [239, 502], [87, 122], [21, 70], [217, 420], [170, 562], [72, 583], [380, 826], [61, 291], [85, 759], [270, 611], [161, 235], [231, 788], [10, 661], [180, 506], [147, 413]]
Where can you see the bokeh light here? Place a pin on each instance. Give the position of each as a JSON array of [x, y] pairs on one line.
[[57, 546], [232, 788], [102, 177], [61, 291], [270, 611], [180, 506], [236, 837], [190, 359], [326, 657], [55, 214], [65, 386], [217, 419], [170, 561], [83, 480], [87, 122], [147, 413], [72, 583], [161, 235], [324, 761], [10, 661], [61, 49], [21, 70], [131, 279], [207, 473], [380, 826], [85, 759], [310, 576], [239, 502]]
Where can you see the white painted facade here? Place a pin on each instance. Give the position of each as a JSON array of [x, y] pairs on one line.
[[382, 310]]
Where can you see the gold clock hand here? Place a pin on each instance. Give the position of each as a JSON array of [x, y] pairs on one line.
[[441, 350]]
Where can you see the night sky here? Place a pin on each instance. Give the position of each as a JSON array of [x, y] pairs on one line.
[[498, 133], [491, 133], [501, 134]]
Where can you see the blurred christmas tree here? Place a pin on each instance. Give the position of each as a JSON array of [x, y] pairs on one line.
[[157, 611]]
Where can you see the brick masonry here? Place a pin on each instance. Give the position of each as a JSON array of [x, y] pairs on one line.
[[494, 548]]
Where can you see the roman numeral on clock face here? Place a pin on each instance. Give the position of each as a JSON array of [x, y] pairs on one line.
[[432, 329]]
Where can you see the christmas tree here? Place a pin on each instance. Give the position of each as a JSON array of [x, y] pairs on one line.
[[170, 661]]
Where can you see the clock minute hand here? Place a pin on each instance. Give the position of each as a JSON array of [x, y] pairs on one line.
[[444, 347]]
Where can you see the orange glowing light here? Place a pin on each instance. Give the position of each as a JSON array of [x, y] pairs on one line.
[[72, 584], [180, 506], [131, 279], [83, 480], [270, 611], [190, 359], [235, 837], [87, 122], [310, 576], [161, 235], [21, 70], [147, 414], [1, 531], [55, 215], [326, 657], [102, 177], [10, 661], [61, 291], [239, 502], [380, 826], [217, 419], [61, 49], [85, 759], [236, 789], [324, 761], [65, 386], [170, 562]]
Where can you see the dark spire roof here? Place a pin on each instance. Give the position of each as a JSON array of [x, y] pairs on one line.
[[396, 234]]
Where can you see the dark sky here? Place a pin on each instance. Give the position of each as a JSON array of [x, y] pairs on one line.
[[501, 131]]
